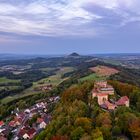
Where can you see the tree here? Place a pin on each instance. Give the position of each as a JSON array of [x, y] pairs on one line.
[[97, 134], [134, 128], [104, 119], [86, 137], [60, 138], [84, 123], [116, 130], [126, 120], [77, 133], [107, 135]]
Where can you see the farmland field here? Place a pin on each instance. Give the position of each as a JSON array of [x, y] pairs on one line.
[[104, 70]]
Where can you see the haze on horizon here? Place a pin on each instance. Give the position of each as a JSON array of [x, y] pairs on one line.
[[65, 26]]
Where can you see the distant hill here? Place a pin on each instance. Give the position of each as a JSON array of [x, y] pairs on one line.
[[74, 54]]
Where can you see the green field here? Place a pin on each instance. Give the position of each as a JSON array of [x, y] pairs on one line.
[[5, 80], [93, 76]]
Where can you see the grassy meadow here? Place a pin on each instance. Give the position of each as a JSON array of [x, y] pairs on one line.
[[92, 76]]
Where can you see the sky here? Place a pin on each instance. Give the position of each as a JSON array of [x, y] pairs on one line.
[[65, 26]]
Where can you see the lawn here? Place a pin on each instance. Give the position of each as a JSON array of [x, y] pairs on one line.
[[93, 76]]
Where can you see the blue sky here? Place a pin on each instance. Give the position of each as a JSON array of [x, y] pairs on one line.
[[65, 26]]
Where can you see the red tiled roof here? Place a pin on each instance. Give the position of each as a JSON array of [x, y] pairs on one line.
[[31, 132], [2, 138], [1, 123], [122, 100], [22, 132], [22, 115], [40, 120], [18, 119], [12, 123], [107, 103]]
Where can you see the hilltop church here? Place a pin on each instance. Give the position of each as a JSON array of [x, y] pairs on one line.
[[102, 90]]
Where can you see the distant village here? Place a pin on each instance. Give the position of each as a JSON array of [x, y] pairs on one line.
[[102, 90], [28, 123]]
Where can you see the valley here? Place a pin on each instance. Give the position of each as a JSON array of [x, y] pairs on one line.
[[70, 79]]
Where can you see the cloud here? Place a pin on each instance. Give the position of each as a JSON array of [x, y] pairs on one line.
[[6, 39], [66, 17]]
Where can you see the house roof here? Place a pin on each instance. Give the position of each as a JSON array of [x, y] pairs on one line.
[[2, 138], [31, 131], [122, 100], [22, 132], [107, 105], [22, 115], [40, 120], [18, 119], [1, 123], [12, 123]]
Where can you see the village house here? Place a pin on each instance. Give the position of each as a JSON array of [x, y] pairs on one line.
[[21, 115], [41, 123], [41, 105], [18, 120], [30, 134], [54, 99], [12, 124], [27, 133], [27, 111], [1, 124], [3, 138]]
